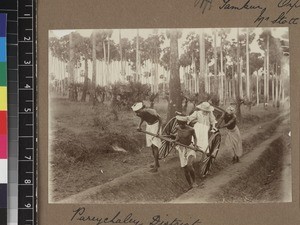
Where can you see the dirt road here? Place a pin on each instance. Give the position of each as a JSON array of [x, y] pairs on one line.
[[233, 184], [169, 184]]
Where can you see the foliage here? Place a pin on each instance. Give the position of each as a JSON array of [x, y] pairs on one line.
[[165, 59], [101, 122], [102, 39], [60, 48], [131, 54], [275, 53], [126, 94], [192, 50], [256, 60], [230, 49], [126, 49], [152, 47]]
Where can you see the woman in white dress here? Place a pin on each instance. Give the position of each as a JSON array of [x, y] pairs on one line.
[[205, 118]]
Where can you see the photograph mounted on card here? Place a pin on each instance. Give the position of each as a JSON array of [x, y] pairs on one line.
[[215, 104], [154, 111]]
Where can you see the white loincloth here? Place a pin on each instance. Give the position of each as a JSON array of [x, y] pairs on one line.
[[184, 154], [151, 140]]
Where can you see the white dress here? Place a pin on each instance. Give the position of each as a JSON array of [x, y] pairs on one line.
[[202, 127]]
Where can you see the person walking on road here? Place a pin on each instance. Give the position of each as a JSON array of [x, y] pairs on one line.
[[187, 156], [233, 141], [153, 125]]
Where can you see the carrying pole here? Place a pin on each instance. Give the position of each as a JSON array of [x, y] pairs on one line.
[[171, 140]]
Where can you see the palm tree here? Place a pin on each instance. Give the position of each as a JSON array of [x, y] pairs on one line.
[[202, 82], [175, 101], [247, 65], [86, 55], [138, 69], [223, 35], [216, 79], [66, 53], [238, 102], [93, 98]]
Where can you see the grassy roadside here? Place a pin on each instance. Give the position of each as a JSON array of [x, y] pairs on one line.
[[263, 179], [82, 137]]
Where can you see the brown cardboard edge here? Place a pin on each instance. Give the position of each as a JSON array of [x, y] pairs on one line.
[[71, 14]]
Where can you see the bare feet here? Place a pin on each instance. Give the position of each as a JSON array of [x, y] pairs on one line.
[[235, 159], [205, 174], [153, 170], [194, 185], [152, 166], [189, 188]]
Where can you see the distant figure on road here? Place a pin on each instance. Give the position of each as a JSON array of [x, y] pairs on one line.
[[153, 125], [186, 155], [233, 140], [204, 119]]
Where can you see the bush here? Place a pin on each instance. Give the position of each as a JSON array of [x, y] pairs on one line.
[[126, 94], [101, 122], [67, 150], [124, 141]]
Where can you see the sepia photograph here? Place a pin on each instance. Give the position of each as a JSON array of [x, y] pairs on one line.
[[185, 115]]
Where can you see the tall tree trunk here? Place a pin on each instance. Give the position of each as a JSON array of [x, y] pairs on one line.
[[156, 73], [268, 67], [121, 56], [108, 61], [238, 102], [185, 79], [260, 87], [93, 88], [247, 66], [202, 83], [174, 84], [215, 83], [63, 80], [152, 77], [233, 83], [241, 80], [282, 76], [222, 74], [164, 85], [229, 89], [191, 80], [194, 73], [71, 69], [257, 89], [85, 83], [280, 88], [226, 86], [60, 74], [207, 88], [273, 85], [137, 71], [276, 89], [104, 65], [265, 77], [283, 93]]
